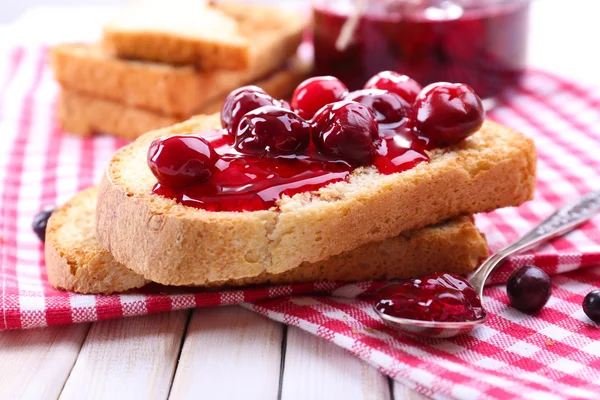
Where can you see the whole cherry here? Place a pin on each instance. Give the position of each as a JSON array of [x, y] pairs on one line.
[[314, 93], [402, 85], [391, 111], [528, 289], [272, 130], [241, 101], [348, 130], [181, 160], [591, 305], [40, 221], [447, 113]]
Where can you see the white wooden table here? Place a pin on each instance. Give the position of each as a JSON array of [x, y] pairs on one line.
[[226, 352]]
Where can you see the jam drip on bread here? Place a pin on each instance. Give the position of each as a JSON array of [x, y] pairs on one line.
[[268, 148]]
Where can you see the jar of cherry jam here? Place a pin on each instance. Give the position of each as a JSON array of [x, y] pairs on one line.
[[478, 42]]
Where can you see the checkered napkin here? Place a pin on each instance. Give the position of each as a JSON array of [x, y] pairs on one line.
[[553, 355]]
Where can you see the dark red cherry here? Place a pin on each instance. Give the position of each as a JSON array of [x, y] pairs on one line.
[[447, 113], [239, 102], [181, 160], [528, 289], [314, 93], [591, 305], [436, 297], [347, 130], [40, 221], [272, 130], [402, 85], [391, 111]]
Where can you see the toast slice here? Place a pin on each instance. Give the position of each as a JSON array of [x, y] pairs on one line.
[[180, 91], [211, 37], [75, 261], [85, 115], [162, 240]]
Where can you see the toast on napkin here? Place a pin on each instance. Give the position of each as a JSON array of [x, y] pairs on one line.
[[169, 243], [193, 32], [180, 91], [85, 115], [75, 260]]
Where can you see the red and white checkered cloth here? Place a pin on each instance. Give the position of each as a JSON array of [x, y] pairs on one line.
[[555, 354]]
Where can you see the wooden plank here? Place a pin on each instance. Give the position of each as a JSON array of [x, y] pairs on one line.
[[317, 369], [229, 353], [132, 358], [34, 364]]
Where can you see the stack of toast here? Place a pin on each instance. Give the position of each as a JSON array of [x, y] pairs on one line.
[[121, 235], [160, 63], [164, 62]]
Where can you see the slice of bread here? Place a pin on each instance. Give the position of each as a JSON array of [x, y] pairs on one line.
[[176, 91], [85, 115], [222, 36], [75, 260], [173, 244]]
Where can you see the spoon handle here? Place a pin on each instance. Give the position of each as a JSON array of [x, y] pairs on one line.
[[562, 221]]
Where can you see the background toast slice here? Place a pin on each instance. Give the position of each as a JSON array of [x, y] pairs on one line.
[[160, 239], [85, 115], [210, 37], [177, 91], [75, 260]]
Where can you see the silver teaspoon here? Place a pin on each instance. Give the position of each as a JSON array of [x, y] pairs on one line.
[[562, 221]]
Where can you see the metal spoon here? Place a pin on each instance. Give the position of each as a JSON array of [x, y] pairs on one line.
[[562, 221]]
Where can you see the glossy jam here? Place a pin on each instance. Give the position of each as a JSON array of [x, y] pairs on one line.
[[482, 44], [251, 183], [436, 297]]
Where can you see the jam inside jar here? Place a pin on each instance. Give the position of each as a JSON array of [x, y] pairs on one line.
[[481, 43]]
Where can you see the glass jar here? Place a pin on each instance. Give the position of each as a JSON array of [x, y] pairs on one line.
[[479, 42]]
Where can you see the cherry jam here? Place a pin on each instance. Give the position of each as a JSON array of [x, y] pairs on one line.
[[481, 43], [246, 182], [437, 297]]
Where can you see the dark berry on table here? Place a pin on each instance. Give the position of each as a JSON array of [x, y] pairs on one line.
[[181, 160], [591, 305], [391, 111], [529, 289], [347, 130], [241, 101], [447, 113], [402, 85], [314, 93], [436, 297], [272, 130], [40, 221]]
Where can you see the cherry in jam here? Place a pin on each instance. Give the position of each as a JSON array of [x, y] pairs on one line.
[[271, 130], [446, 113], [400, 84], [347, 130], [437, 297], [391, 111], [314, 93], [241, 101]]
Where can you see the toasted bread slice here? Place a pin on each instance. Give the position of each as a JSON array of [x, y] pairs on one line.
[[75, 260], [210, 37], [162, 240], [179, 91], [85, 115]]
